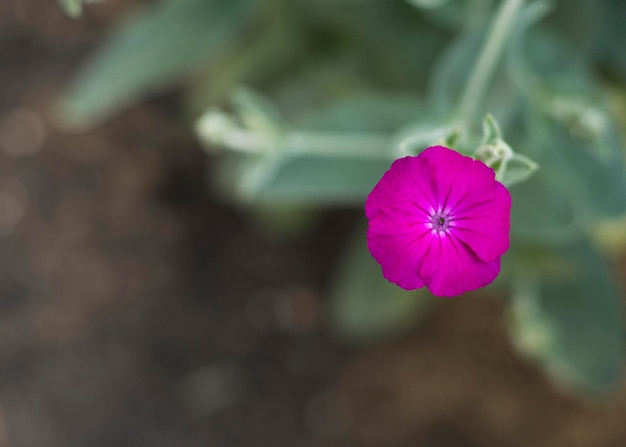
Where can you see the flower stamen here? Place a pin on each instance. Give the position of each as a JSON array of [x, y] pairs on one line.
[[440, 222]]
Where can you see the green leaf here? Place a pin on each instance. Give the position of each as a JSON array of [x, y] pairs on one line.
[[277, 45], [152, 49], [570, 134], [390, 42], [366, 111], [593, 174], [611, 35], [572, 324], [491, 130], [323, 180], [541, 212], [447, 80], [581, 171], [292, 166], [414, 139], [450, 77], [257, 113], [579, 184], [300, 179], [72, 8], [518, 169], [365, 307], [510, 167]]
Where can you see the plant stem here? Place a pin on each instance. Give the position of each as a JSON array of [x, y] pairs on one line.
[[319, 144], [476, 87], [331, 144]]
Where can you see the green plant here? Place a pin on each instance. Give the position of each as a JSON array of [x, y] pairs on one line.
[[350, 85]]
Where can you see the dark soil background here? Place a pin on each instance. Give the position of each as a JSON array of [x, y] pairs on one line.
[[135, 310]]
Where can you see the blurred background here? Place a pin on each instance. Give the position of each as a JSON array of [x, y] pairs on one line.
[[137, 308]]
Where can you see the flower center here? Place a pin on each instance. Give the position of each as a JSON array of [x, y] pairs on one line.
[[440, 221]]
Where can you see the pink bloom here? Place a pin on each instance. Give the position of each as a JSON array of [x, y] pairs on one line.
[[439, 220]]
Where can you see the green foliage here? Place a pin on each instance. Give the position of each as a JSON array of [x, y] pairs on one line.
[[609, 47], [280, 164], [298, 179], [511, 168], [344, 87], [571, 321], [147, 52], [72, 8], [570, 133]]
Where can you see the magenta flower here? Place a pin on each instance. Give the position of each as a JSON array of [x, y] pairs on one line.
[[439, 220]]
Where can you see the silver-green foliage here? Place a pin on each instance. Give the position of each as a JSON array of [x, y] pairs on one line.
[[147, 52], [348, 86], [571, 322]]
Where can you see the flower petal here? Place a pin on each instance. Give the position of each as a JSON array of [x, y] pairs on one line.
[[397, 209], [451, 268], [455, 178], [439, 182], [402, 189], [484, 226], [400, 253]]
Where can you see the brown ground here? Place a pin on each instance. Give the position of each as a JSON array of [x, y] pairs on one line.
[[134, 307]]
